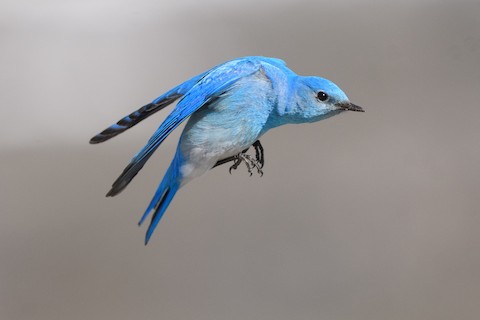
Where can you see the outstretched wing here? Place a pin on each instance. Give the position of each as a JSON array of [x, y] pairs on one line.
[[146, 111], [215, 82]]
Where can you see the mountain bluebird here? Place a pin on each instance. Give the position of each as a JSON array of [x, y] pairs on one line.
[[229, 108]]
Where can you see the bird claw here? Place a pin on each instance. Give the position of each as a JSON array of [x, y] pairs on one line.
[[236, 163], [250, 162]]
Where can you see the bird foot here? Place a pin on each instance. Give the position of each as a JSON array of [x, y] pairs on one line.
[[250, 162]]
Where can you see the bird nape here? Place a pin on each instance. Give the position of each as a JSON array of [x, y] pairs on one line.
[[229, 108]]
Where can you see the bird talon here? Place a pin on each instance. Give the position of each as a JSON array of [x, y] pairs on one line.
[[236, 162], [250, 163], [258, 162]]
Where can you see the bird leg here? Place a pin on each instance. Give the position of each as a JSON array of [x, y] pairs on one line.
[[250, 162], [259, 153]]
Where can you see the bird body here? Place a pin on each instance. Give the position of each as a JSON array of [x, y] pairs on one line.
[[228, 108]]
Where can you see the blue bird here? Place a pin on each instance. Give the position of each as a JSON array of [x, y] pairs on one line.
[[229, 108]]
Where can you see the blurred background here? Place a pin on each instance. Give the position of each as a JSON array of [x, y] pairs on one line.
[[361, 216]]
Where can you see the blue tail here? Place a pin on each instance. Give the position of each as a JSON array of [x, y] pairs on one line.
[[162, 198]]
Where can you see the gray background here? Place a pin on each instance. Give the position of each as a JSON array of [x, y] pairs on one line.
[[362, 216]]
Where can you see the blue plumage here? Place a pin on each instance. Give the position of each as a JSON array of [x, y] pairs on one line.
[[229, 107]]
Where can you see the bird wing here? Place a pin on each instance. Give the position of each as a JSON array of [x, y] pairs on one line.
[[144, 112], [213, 84]]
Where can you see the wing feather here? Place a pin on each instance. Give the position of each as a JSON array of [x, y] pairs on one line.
[[214, 83]]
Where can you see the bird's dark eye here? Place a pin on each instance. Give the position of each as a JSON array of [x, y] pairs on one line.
[[322, 96]]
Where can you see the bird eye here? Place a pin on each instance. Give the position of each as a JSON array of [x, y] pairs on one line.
[[322, 96]]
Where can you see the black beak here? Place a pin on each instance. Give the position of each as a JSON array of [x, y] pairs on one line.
[[349, 106]]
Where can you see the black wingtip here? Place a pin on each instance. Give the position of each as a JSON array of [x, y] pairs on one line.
[[117, 186], [133, 118], [125, 178], [116, 189], [109, 133], [97, 139]]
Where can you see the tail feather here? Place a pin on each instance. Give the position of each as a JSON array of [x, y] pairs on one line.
[[159, 211], [134, 118], [160, 202]]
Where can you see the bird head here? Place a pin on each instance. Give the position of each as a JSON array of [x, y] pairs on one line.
[[317, 99]]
